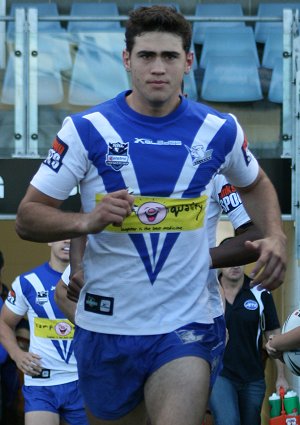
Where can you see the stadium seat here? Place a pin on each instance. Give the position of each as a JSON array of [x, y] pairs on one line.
[[270, 10], [52, 37], [215, 10], [273, 48], [223, 41], [98, 72], [44, 9], [145, 4], [50, 88], [190, 86], [275, 93], [231, 79], [86, 9]]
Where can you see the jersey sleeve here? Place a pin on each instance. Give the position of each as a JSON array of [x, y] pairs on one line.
[[270, 313], [240, 167], [229, 201], [65, 277], [65, 165], [16, 300]]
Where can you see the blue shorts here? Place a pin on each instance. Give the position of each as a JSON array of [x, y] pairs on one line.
[[63, 399], [114, 368]]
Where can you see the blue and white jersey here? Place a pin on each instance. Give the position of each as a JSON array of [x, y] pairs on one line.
[[224, 199], [51, 334], [148, 276]]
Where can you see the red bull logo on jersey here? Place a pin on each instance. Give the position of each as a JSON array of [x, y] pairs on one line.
[[229, 198], [246, 152], [56, 154], [11, 297], [117, 155], [199, 154]]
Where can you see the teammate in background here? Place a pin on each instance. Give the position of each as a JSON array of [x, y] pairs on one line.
[[10, 379], [278, 343], [3, 287], [145, 331], [238, 393], [51, 380]]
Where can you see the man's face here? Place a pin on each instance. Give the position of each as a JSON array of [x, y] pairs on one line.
[[157, 64], [61, 250], [233, 274]]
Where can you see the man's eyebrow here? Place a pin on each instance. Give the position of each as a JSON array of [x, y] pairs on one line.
[[165, 52]]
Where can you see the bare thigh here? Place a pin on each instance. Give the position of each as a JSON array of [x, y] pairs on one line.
[[135, 417], [41, 417], [177, 393]]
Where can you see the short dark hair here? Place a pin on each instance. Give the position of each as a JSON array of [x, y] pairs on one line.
[[1, 260], [157, 18]]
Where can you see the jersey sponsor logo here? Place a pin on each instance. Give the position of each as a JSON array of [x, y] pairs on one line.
[[199, 155], [251, 305], [53, 328], [151, 212], [11, 297], [45, 374], [158, 142], [162, 215], [246, 153], [229, 199], [56, 154], [42, 297], [117, 155], [99, 304]]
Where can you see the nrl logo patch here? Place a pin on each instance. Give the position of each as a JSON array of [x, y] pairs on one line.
[[117, 155], [42, 297], [199, 155]]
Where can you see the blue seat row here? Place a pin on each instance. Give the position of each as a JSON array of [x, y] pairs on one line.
[[102, 42]]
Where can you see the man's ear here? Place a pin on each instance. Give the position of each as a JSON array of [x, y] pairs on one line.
[[189, 62], [126, 60]]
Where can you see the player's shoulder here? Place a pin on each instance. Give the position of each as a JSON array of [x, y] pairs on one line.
[[208, 110]]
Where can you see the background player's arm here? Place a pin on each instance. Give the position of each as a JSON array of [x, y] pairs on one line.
[[284, 342], [261, 202], [27, 362], [235, 252], [281, 380], [67, 306]]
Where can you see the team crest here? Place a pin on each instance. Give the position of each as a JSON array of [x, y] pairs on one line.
[[42, 297], [199, 155], [117, 155]]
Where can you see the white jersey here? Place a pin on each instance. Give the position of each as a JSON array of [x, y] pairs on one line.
[[224, 199], [148, 276], [51, 334]]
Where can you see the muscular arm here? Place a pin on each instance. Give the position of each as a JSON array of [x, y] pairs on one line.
[[39, 218], [67, 307], [261, 202], [234, 252], [76, 253], [281, 380], [285, 342], [27, 362]]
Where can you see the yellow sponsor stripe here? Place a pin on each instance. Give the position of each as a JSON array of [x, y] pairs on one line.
[[162, 215], [53, 329]]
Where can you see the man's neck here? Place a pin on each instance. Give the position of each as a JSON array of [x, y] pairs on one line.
[[231, 288]]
